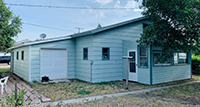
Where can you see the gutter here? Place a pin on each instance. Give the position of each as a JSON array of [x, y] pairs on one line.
[[39, 42]]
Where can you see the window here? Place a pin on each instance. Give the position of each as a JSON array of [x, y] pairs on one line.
[[105, 53], [158, 59], [17, 57], [180, 58], [85, 53], [143, 57], [145, 25], [22, 55]]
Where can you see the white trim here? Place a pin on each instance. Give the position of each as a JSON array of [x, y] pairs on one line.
[[136, 67], [38, 42], [40, 63], [29, 63]]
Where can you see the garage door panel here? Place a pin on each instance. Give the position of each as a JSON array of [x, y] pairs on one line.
[[53, 63]]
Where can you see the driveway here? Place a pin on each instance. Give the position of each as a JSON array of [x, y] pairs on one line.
[[4, 65], [31, 97]]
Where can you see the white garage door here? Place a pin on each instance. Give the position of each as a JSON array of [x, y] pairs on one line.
[[53, 63]]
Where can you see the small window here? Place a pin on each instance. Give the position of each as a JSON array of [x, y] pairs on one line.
[[105, 54], [22, 55], [143, 57], [180, 58], [17, 56], [85, 53], [145, 25], [158, 59]]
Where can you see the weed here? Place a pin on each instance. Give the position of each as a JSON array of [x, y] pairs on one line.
[[49, 105], [69, 83], [83, 92], [14, 78]]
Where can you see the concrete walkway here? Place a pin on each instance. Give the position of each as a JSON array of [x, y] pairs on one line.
[[87, 99]]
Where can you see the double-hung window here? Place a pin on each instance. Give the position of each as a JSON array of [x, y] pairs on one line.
[[143, 57], [105, 54]]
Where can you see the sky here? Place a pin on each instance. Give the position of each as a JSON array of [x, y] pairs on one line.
[[66, 20]]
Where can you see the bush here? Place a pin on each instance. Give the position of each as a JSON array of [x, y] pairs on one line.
[[196, 64]]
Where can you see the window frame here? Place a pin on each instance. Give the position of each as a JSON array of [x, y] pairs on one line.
[[108, 53], [85, 58], [159, 51], [22, 55], [140, 56], [17, 55]]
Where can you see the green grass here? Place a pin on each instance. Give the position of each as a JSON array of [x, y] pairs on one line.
[[181, 96], [4, 70]]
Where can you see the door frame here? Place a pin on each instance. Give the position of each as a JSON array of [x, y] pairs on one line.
[[136, 67]]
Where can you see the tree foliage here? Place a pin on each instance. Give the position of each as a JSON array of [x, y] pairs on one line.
[[10, 26], [176, 24], [99, 26]]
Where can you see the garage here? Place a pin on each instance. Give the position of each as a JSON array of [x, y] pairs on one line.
[[53, 63]]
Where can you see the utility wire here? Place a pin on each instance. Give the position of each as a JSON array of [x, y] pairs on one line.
[[65, 7], [43, 26]]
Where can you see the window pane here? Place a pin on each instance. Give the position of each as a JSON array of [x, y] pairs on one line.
[[85, 53], [143, 51], [133, 55], [22, 56], [160, 60], [105, 54], [17, 55], [132, 67], [143, 61], [180, 58]]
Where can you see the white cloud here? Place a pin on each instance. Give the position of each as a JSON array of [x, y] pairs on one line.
[[117, 4], [131, 4], [103, 1], [137, 10]]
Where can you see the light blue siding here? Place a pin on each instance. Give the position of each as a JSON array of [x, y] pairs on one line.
[[83, 67], [63, 44], [21, 67], [170, 73], [119, 40]]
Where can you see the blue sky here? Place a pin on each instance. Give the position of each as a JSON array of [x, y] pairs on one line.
[[68, 19]]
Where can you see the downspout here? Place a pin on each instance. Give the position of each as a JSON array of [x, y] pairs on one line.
[[91, 63]]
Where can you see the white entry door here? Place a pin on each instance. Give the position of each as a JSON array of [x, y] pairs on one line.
[[53, 63], [133, 75]]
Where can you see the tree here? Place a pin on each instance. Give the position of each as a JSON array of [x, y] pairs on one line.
[[176, 24], [99, 26], [10, 26]]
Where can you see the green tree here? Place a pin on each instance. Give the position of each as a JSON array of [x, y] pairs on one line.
[[99, 26], [176, 24], [10, 26]]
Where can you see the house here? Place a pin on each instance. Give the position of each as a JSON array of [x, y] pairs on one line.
[[96, 56]]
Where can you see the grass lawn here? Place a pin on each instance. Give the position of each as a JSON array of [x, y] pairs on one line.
[[181, 96], [4, 70], [76, 89]]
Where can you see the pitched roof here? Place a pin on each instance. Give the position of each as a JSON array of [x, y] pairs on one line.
[[94, 31], [108, 27]]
